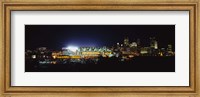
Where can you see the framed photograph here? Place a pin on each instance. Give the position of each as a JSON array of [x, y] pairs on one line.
[[100, 48], [92, 48]]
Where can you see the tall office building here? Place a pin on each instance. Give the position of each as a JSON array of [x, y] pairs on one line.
[[169, 48], [133, 44], [156, 45], [126, 42], [153, 43], [138, 42]]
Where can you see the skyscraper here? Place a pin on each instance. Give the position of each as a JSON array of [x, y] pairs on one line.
[[156, 45], [169, 48], [153, 43], [133, 44], [138, 42], [126, 41]]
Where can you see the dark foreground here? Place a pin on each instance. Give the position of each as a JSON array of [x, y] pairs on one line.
[[137, 64]]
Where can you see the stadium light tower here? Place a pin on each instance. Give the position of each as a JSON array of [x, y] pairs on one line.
[[72, 48]]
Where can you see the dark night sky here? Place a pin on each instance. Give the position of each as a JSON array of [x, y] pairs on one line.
[[58, 36]]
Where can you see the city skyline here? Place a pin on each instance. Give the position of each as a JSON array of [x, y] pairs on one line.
[[58, 36], [99, 48], [121, 44]]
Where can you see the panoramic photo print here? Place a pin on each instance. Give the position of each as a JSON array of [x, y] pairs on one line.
[[99, 48]]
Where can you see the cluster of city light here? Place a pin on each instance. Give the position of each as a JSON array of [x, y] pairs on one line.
[[126, 50]]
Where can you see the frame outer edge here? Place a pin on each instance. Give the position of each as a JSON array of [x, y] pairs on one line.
[[102, 1], [2, 49], [198, 50], [197, 55], [7, 20], [1, 45]]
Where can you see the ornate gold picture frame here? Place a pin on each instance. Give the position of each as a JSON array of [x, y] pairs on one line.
[[123, 91]]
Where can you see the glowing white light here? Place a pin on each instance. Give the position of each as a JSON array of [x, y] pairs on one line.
[[33, 56], [72, 48]]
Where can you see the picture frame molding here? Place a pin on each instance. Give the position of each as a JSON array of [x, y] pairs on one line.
[[7, 7]]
